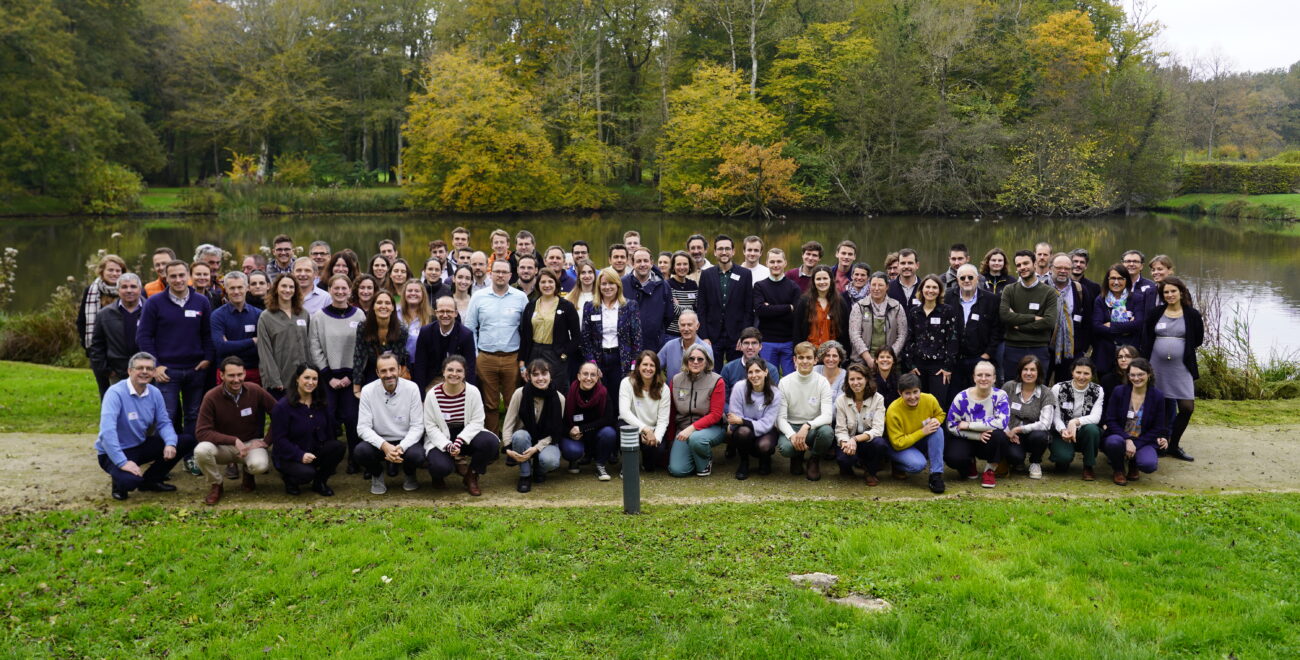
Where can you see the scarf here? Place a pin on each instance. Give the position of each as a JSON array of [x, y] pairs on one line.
[[1118, 307], [550, 424], [855, 294], [579, 401], [99, 294], [1063, 339]]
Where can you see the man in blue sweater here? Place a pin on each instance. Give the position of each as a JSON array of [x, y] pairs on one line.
[[134, 429], [175, 327], [234, 326]]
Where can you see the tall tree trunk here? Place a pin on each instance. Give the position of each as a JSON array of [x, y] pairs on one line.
[[600, 117]]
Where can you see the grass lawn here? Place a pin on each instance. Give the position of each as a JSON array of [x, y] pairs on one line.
[[1136, 577], [1207, 203], [161, 199], [40, 399]]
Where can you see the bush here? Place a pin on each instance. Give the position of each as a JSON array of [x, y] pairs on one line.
[[110, 189], [1292, 156], [293, 170], [1241, 178], [200, 199], [48, 336]]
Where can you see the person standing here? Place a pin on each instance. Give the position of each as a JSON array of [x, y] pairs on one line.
[[234, 327], [671, 354], [304, 274], [932, 340], [415, 312], [1143, 289], [877, 321], [161, 257], [550, 330], [584, 289], [903, 289], [332, 342], [774, 301], [232, 429], [684, 285], [1079, 259], [134, 429], [1028, 310], [445, 337], [807, 416], [1073, 320], [653, 298], [846, 253], [282, 335], [753, 250], [390, 421], [1118, 317], [611, 333], [810, 256], [1174, 332], [819, 315], [100, 294], [726, 302], [979, 328], [281, 257], [113, 337], [454, 437], [382, 332], [994, 271], [494, 316], [303, 447], [175, 327]]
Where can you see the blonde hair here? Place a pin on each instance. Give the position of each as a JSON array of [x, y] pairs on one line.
[[575, 294], [109, 259], [611, 275]]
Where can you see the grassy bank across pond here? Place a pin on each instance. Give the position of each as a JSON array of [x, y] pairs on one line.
[[1131, 577], [1230, 206]]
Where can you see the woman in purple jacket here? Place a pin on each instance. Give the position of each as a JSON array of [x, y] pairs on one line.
[[1137, 424], [303, 447], [751, 417]]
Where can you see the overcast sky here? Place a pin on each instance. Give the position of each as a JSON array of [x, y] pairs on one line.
[[1253, 34]]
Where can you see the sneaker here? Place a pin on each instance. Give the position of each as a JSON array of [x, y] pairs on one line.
[[377, 486], [601, 473], [193, 467], [989, 480], [972, 472], [410, 484], [1035, 471], [936, 483], [708, 470], [573, 467]]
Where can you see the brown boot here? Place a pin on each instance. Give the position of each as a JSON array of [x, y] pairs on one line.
[[471, 483], [1088, 474], [214, 495], [872, 480], [814, 470], [250, 484], [1119, 478], [1133, 474]]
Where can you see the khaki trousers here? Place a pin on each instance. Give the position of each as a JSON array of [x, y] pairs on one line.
[[209, 457]]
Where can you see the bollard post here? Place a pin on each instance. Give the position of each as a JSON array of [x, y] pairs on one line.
[[630, 444]]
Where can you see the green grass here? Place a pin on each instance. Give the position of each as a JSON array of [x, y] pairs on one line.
[[1140, 577], [1269, 207], [158, 200], [26, 204], [39, 399]]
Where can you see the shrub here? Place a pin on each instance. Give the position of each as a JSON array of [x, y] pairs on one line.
[[1292, 156], [109, 189], [293, 170], [48, 336], [200, 199], [1241, 178]]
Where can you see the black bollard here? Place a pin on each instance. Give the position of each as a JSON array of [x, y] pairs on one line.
[[630, 444]]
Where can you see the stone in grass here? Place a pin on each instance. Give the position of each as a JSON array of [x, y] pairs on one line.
[[865, 603], [820, 582], [823, 583]]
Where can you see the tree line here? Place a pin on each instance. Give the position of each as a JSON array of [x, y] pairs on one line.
[[720, 106]]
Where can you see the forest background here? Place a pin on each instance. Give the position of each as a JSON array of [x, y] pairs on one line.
[[713, 106]]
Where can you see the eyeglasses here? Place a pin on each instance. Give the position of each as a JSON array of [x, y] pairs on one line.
[[695, 358], [1116, 279], [966, 278]]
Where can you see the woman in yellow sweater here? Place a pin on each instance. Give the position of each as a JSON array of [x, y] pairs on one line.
[[914, 424]]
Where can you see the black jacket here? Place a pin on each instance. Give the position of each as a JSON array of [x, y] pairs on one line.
[[1195, 336], [981, 334], [931, 338], [722, 326], [565, 336], [431, 348], [896, 292], [113, 344], [1082, 318]]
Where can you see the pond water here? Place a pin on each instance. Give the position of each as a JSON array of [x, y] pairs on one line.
[[1254, 272]]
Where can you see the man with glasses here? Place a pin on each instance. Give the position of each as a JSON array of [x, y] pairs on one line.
[[726, 301], [1141, 288], [1073, 333], [445, 336], [319, 251], [493, 316], [979, 328], [282, 257], [134, 430]]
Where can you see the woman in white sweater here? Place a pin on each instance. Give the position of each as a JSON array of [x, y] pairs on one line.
[[454, 436], [860, 424], [1077, 425], [645, 402]]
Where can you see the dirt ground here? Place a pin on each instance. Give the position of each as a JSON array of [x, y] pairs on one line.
[[60, 471]]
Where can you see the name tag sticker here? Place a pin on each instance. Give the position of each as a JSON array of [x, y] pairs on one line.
[[974, 316], [812, 400], [1131, 414], [559, 312], [191, 313], [1034, 306], [245, 412], [735, 276], [250, 328], [1067, 405], [934, 320], [1015, 406], [595, 317], [1160, 326], [302, 322], [133, 415], [915, 301], [400, 418], [354, 324], [1078, 318], [681, 394], [579, 417]]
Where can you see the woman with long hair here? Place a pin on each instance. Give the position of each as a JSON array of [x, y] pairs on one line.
[[684, 287], [885, 374], [1117, 319], [382, 332], [343, 262], [548, 329], [462, 288], [535, 424], [282, 335], [644, 402], [584, 289], [611, 331], [398, 275], [1173, 334], [364, 290], [379, 267], [333, 342], [996, 270], [819, 315], [590, 421], [303, 447], [415, 313], [932, 342], [455, 439], [1137, 424], [860, 424], [431, 276], [751, 417]]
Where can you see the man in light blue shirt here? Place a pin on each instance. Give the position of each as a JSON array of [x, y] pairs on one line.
[[493, 316], [134, 429]]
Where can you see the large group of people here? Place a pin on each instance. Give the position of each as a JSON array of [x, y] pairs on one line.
[[385, 368]]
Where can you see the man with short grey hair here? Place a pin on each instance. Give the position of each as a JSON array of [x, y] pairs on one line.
[[670, 356], [134, 429], [234, 326], [112, 342]]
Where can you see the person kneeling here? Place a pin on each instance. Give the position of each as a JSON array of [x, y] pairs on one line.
[[860, 425], [914, 425], [303, 446], [534, 422], [1079, 405], [390, 421], [698, 402], [231, 428], [454, 436], [1137, 423], [807, 414], [589, 416], [752, 412], [134, 429], [977, 426]]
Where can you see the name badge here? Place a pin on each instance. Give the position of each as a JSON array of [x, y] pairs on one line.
[[1015, 406], [246, 412], [812, 400], [400, 418], [1034, 306], [735, 276], [302, 322], [915, 301], [1160, 326], [354, 324], [559, 312], [1146, 287], [681, 394], [1078, 318], [191, 313], [1131, 414], [133, 415], [579, 417], [934, 320], [974, 316], [595, 317], [1067, 405], [250, 328]]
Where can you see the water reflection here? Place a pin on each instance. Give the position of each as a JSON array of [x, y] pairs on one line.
[[1258, 269]]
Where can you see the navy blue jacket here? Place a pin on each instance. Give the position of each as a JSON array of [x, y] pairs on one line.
[[233, 333], [976, 336], [179, 337], [431, 348], [1155, 415], [655, 304], [722, 325]]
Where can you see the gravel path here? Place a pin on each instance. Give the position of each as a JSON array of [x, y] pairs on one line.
[[59, 471]]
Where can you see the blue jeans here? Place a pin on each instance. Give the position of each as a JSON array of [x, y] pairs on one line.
[[926, 450], [547, 459], [189, 385], [695, 454], [601, 445], [781, 354]]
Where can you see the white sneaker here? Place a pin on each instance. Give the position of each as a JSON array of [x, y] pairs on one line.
[[573, 467], [410, 484], [708, 470], [1035, 471], [601, 473], [377, 486]]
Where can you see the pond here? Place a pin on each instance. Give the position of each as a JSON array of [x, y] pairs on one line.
[[1257, 273]]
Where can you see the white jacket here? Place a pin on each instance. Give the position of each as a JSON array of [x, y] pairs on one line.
[[437, 435]]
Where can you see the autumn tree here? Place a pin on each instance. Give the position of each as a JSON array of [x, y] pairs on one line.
[[751, 180], [1054, 172]]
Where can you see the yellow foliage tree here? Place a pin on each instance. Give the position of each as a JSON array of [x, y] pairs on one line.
[[750, 179], [1066, 50], [1054, 172], [476, 142]]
